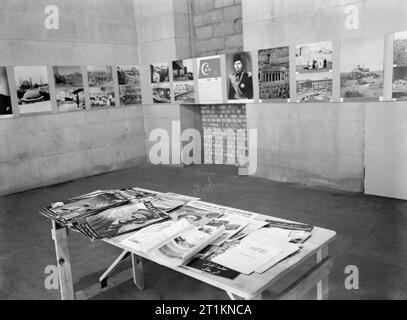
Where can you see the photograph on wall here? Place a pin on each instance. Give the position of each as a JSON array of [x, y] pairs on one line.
[[239, 69], [102, 97], [314, 87], [100, 76], [362, 68], [274, 73], [400, 65], [101, 88], [69, 88], [32, 89], [5, 99], [160, 82], [183, 86], [314, 57], [161, 92], [128, 75], [130, 95], [129, 85], [210, 80]]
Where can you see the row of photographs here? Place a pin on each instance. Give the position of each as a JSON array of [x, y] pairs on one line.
[[33, 88], [361, 78]]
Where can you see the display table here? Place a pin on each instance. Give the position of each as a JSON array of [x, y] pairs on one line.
[[248, 287]]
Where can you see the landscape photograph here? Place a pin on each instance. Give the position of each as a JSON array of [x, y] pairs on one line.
[[362, 68]]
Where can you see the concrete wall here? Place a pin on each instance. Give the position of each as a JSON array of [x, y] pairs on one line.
[[43, 149], [55, 148], [312, 144], [324, 144], [217, 26], [386, 149]]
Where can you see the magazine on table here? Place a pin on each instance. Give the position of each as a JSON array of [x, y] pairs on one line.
[[223, 210], [170, 201], [203, 261], [195, 216], [251, 227], [120, 220], [233, 224], [173, 243], [69, 211], [259, 251]]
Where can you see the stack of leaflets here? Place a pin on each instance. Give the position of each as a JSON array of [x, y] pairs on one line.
[[173, 243]]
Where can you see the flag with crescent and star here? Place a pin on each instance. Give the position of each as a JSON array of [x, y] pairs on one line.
[[209, 68]]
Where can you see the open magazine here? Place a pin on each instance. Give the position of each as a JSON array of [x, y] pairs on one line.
[[173, 243], [197, 217], [123, 219]]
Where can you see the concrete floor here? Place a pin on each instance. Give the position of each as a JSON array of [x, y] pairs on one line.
[[371, 234]]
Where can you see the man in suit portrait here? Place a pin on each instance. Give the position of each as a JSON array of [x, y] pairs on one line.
[[240, 83]]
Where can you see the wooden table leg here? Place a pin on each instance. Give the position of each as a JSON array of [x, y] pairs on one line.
[[322, 286], [60, 237], [138, 273]]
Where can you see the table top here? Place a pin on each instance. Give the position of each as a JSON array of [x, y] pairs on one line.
[[248, 286]]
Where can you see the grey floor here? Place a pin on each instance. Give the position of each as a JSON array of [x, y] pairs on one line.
[[371, 234]]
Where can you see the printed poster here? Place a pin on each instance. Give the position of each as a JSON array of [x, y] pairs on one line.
[[210, 80]]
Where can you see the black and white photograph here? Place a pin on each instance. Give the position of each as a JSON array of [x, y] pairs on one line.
[[274, 73], [32, 89], [99, 76], [183, 84], [240, 76], [129, 85], [314, 87], [160, 82], [176, 152], [314, 57], [130, 95], [129, 75], [400, 66], [102, 97], [362, 68], [69, 88], [5, 99]]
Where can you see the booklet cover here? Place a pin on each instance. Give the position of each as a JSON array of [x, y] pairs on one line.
[[173, 243], [116, 221]]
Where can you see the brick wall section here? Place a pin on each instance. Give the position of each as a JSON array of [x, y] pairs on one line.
[[224, 117], [218, 30], [217, 26]]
